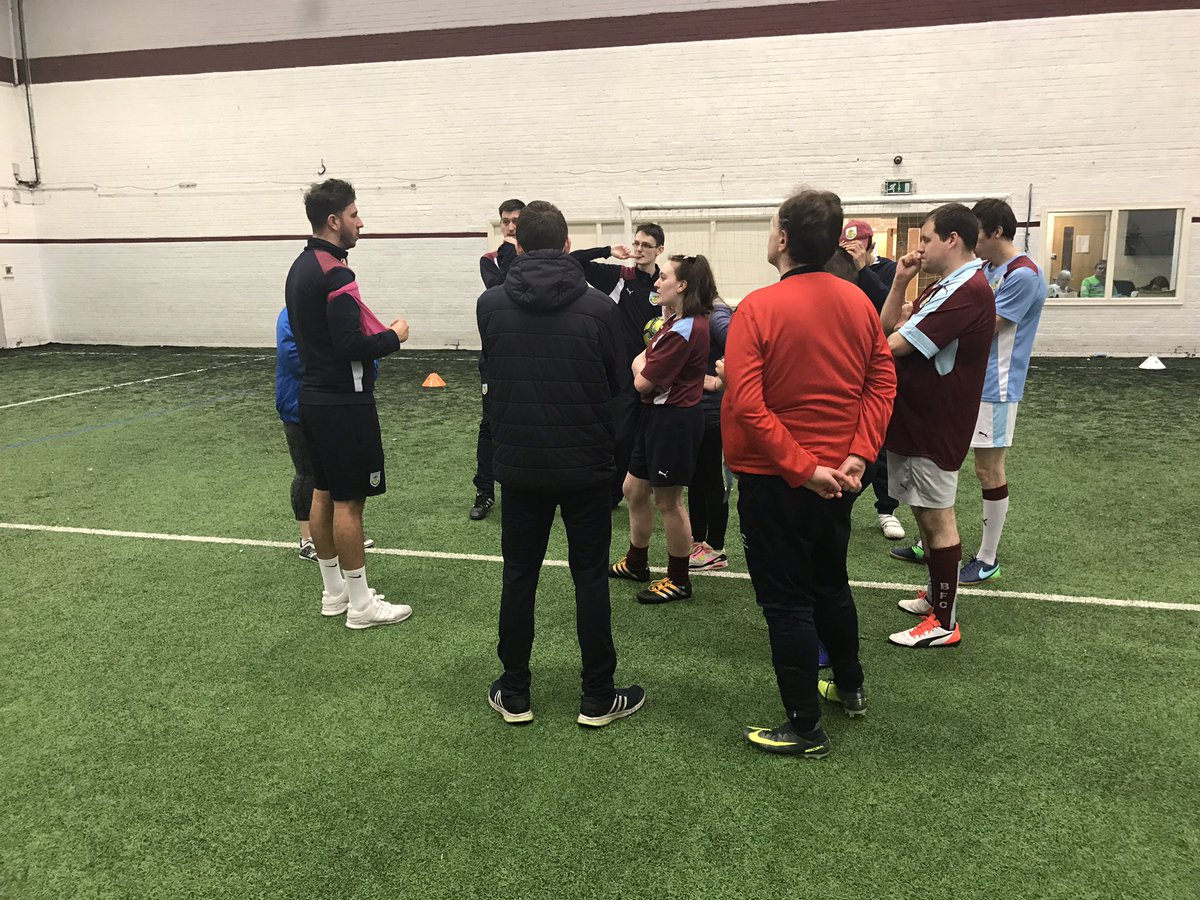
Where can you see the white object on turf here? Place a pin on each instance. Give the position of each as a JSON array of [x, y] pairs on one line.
[[891, 527], [378, 612], [918, 605], [334, 604], [928, 634], [1152, 362]]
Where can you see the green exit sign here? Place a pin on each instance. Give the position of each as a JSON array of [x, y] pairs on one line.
[[898, 186]]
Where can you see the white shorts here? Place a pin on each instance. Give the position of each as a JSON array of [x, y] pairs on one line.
[[919, 481], [995, 425]]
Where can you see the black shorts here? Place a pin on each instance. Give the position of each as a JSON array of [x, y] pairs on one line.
[[346, 449], [666, 445]]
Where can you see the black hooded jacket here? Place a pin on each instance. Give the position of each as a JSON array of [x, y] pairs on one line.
[[552, 349]]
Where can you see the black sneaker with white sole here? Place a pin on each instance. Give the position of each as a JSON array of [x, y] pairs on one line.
[[483, 506], [513, 708], [625, 702]]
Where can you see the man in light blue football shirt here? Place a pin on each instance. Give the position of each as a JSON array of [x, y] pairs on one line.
[[1020, 289]]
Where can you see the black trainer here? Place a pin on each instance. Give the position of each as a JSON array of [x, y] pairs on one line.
[[622, 569], [785, 739], [514, 708], [483, 506], [664, 591], [854, 702], [625, 702]]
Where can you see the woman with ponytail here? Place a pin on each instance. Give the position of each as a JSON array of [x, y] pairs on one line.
[[669, 375]]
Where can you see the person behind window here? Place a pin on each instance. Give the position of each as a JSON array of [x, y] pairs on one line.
[[1158, 285], [1093, 285], [1061, 286]]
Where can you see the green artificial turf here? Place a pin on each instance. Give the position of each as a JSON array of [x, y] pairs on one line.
[[177, 720]]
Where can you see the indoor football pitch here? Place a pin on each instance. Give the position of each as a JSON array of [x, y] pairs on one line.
[[177, 720]]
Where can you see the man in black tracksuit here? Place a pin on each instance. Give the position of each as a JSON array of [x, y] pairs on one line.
[[552, 351], [339, 339], [630, 287], [875, 277], [493, 267]]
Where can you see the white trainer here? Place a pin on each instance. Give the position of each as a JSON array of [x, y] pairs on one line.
[[891, 527], [379, 612], [334, 604], [918, 605], [928, 634]]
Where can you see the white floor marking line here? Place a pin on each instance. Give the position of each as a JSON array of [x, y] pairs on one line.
[[110, 387], [562, 563]]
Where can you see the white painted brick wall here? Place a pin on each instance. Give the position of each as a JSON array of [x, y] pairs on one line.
[[1086, 109], [23, 307]]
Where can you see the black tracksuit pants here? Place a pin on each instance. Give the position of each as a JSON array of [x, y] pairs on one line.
[[627, 411], [876, 476], [796, 553], [708, 508], [526, 517], [484, 482]]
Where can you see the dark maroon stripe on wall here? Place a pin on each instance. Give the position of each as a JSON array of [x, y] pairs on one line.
[[823, 17], [241, 238], [7, 70], [1029, 224]]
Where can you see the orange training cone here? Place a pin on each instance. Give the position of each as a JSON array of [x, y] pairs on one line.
[[433, 381]]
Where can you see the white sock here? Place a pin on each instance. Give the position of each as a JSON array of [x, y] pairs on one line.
[[994, 513], [360, 594], [331, 575]]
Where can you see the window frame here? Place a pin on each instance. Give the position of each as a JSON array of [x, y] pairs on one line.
[[1182, 239]]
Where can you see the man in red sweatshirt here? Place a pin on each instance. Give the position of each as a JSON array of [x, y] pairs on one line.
[[810, 389]]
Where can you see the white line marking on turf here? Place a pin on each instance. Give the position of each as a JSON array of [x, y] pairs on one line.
[[562, 563], [128, 383]]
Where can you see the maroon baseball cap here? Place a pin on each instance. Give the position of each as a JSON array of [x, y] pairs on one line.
[[857, 230]]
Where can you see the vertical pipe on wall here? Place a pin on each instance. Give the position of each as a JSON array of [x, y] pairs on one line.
[[37, 168], [1028, 215]]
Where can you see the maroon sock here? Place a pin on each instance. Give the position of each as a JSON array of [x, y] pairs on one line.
[[943, 578], [637, 557], [677, 569], [996, 493]]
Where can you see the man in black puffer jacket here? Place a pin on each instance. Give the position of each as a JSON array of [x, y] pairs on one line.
[[552, 347]]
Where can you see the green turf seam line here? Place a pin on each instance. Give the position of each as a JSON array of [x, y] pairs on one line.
[[110, 387], [562, 563]]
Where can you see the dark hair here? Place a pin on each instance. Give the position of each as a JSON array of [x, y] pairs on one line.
[[327, 199], [954, 218], [511, 206], [994, 213], [654, 231], [812, 221], [842, 265], [701, 291], [541, 227]]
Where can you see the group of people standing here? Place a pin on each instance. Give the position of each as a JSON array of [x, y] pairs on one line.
[[798, 392]]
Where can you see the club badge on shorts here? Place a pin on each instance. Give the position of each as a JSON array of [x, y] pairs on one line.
[[376, 477]]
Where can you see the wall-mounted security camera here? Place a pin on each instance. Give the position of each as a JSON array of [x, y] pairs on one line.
[[897, 159]]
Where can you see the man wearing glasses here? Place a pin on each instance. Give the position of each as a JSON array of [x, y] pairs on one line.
[[630, 287]]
